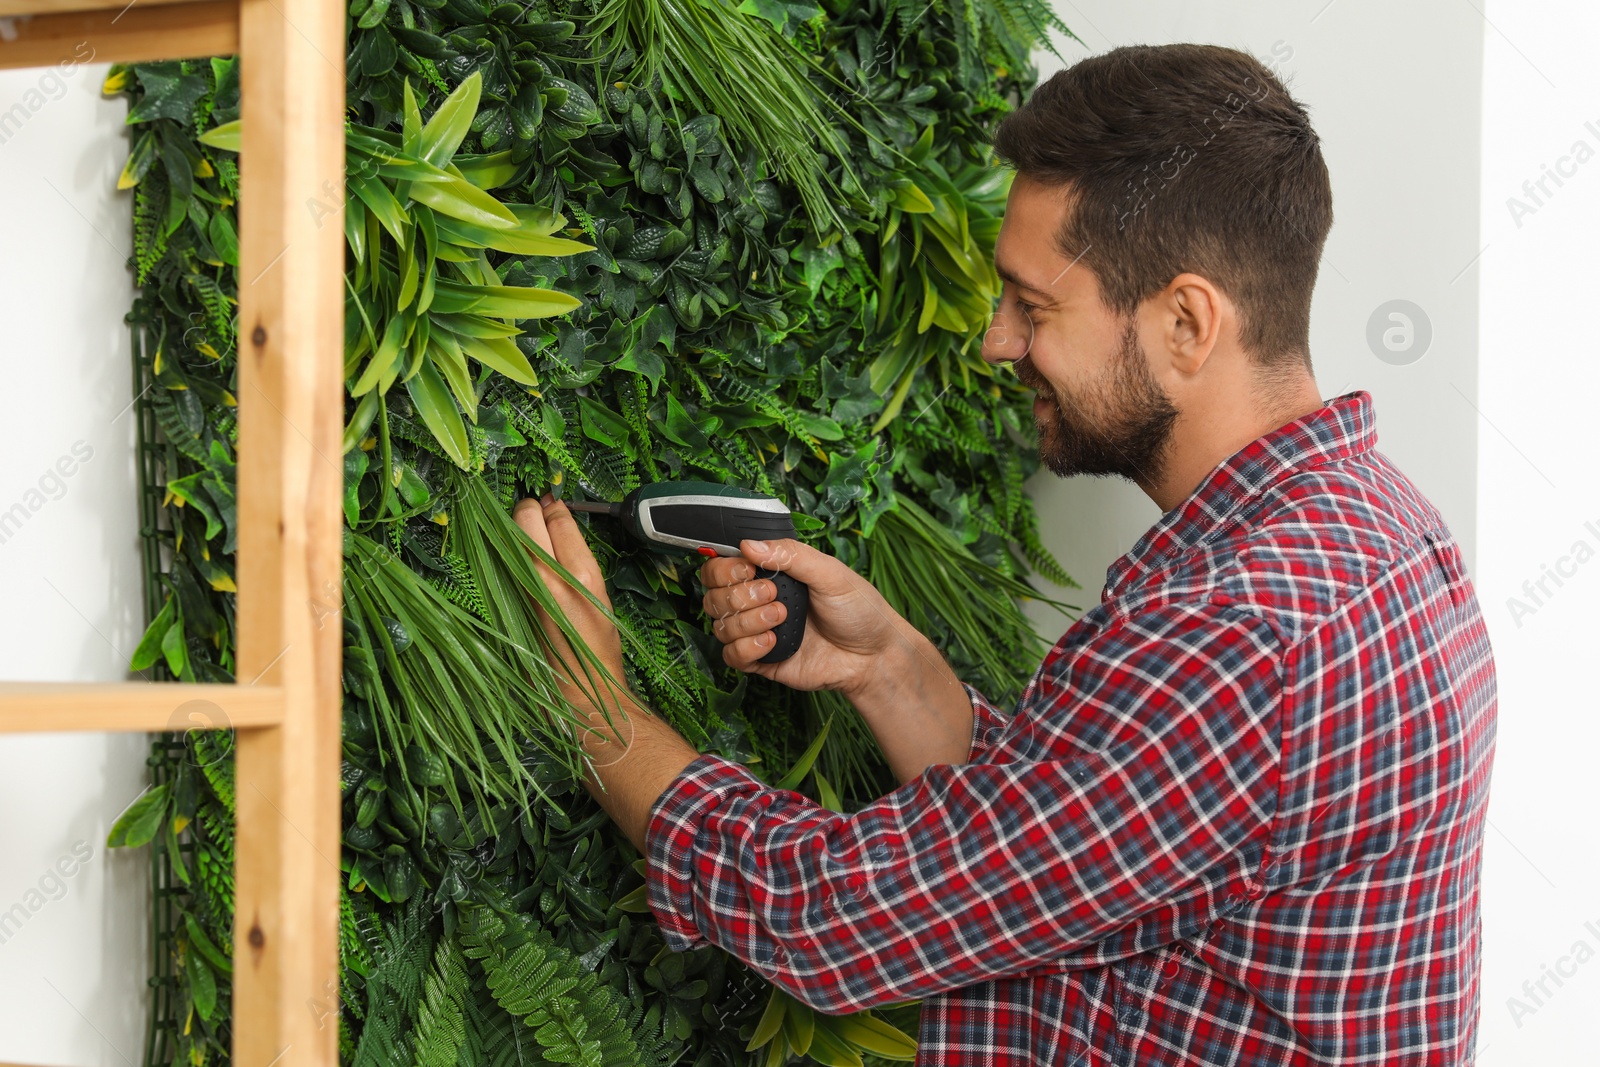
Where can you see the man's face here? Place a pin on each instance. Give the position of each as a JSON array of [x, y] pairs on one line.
[[1100, 409]]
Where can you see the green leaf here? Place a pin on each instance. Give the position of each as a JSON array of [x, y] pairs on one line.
[[433, 401], [489, 171], [780, 12], [381, 202], [802, 766], [771, 1020], [444, 132], [206, 947], [410, 123], [202, 986], [140, 159], [460, 199], [225, 137], [175, 649], [149, 648], [501, 354], [139, 824], [501, 301], [224, 238]]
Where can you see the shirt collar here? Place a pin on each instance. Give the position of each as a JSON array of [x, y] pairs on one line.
[[1341, 428]]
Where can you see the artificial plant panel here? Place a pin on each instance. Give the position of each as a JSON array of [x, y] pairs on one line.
[[584, 252]]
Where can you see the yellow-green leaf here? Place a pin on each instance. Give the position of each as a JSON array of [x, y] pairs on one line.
[[771, 1021], [501, 354], [438, 410], [444, 132], [225, 137]]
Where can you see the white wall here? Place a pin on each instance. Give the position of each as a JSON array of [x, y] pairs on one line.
[[74, 958], [1538, 495]]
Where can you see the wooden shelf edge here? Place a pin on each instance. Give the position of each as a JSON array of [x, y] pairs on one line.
[[135, 707], [128, 33], [22, 8]]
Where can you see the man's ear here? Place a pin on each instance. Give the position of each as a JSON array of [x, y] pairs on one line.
[[1193, 314]]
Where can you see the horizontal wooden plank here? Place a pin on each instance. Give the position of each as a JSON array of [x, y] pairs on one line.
[[134, 707], [133, 33], [10, 8]]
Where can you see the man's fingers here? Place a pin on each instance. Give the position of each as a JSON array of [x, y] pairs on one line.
[[725, 570], [743, 653], [728, 599], [529, 514], [730, 628]]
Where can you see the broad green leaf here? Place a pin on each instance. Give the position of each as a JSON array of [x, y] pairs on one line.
[[206, 947], [875, 1036], [383, 205], [443, 133], [225, 137], [224, 238], [139, 160], [438, 410], [460, 199], [475, 326], [149, 649], [175, 649], [771, 1020], [383, 359], [141, 821], [452, 365], [517, 241], [411, 123], [202, 985], [500, 354], [910, 197], [501, 301], [802, 766], [487, 172]]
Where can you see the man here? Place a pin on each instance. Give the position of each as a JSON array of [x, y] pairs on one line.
[[1236, 816]]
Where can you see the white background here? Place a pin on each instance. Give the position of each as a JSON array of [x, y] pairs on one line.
[[72, 977], [1432, 114]]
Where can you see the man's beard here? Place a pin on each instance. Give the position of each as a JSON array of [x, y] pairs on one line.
[[1123, 432]]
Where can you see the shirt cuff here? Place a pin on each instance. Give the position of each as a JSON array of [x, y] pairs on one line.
[[988, 723], [671, 839]]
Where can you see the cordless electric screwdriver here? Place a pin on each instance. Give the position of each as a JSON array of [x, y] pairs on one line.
[[712, 519]]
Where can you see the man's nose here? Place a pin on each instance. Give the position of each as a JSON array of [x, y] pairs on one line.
[[1007, 339]]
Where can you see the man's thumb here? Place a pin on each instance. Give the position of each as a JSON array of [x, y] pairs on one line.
[[822, 572]]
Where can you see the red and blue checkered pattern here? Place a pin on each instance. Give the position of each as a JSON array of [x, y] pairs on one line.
[[1236, 818]]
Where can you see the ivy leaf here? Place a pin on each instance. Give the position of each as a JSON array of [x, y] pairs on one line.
[[846, 481], [167, 95], [647, 361], [602, 424]]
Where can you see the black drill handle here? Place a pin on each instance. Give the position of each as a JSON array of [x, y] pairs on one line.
[[794, 595]]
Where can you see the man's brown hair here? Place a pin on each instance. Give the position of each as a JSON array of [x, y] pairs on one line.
[[1184, 157]]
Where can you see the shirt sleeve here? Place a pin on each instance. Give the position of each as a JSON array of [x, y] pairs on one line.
[[1139, 784], [988, 723]]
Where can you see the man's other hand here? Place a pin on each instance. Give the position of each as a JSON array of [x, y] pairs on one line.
[[553, 528]]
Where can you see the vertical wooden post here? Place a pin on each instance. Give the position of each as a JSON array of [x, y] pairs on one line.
[[291, 411]]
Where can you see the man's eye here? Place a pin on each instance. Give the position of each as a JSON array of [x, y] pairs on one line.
[[1026, 308]]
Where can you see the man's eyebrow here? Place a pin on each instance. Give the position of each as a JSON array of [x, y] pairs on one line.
[[1021, 283]]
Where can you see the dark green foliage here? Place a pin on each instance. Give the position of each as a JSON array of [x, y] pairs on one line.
[[726, 329]]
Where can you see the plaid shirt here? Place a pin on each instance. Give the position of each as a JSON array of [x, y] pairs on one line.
[[1236, 817]]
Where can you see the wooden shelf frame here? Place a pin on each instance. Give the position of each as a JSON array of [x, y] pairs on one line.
[[291, 413]]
